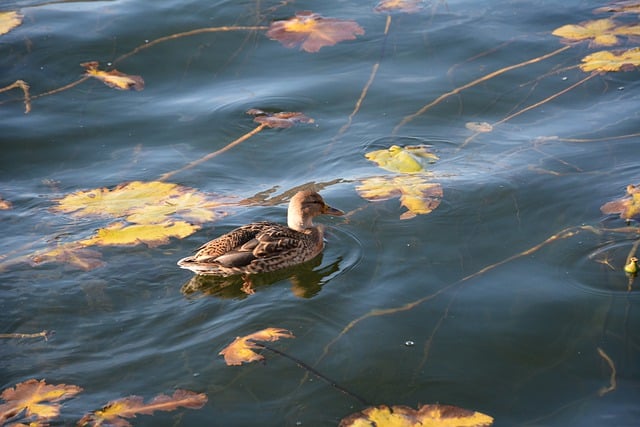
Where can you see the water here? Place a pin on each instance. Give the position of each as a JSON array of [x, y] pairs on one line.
[[518, 341]]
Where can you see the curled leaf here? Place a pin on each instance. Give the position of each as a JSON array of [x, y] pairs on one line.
[[9, 21], [425, 415], [406, 6], [605, 61], [115, 412], [418, 195], [30, 399], [241, 349], [408, 159], [311, 31], [113, 78], [628, 207], [283, 119]]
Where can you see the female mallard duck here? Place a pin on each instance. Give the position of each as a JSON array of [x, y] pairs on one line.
[[265, 246]]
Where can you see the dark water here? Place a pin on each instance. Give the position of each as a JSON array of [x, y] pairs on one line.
[[518, 341]]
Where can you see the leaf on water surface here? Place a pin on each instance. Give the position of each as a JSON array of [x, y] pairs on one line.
[[601, 32], [311, 31], [606, 61], [418, 195], [70, 253], [407, 159], [241, 349], [115, 412], [620, 7], [113, 78], [480, 127], [425, 415], [284, 119], [5, 204], [30, 397], [628, 207], [406, 6], [121, 234], [9, 21]]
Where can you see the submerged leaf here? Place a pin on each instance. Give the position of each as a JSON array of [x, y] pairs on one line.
[[620, 7], [311, 31], [425, 415], [406, 6], [5, 204], [31, 397], [408, 159], [70, 253], [241, 349], [480, 127], [119, 234], [628, 207], [113, 78], [600, 32], [115, 412], [284, 119], [605, 61], [8, 21], [418, 195]]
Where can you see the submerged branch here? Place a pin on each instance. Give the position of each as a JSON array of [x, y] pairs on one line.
[[612, 378], [21, 84], [43, 334]]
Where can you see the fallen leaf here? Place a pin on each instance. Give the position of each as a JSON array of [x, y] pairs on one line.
[[70, 253], [115, 412], [480, 127], [285, 119], [113, 78], [605, 61], [9, 21], [425, 415], [5, 204], [406, 6], [628, 207], [241, 349], [311, 31], [601, 32], [407, 159], [29, 399], [620, 7], [418, 195], [121, 234]]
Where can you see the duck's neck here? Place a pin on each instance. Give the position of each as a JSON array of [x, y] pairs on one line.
[[298, 222]]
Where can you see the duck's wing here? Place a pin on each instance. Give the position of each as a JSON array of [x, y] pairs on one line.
[[242, 239]]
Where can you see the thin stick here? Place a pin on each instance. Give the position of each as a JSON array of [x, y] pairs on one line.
[[43, 334], [459, 89], [25, 89], [612, 378], [210, 156]]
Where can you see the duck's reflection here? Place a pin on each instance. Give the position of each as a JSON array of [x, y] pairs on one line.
[[306, 281]]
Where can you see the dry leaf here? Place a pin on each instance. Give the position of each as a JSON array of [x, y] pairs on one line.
[[241, 349], [311, 31], [620, 7], [31, 396], [406, 6], [5, 204], [628, 207], [601, 32], [408, 159], [8, 21], [119, 234], [113, 78], [605, 61], [425, 415], [285, 119], [480, 127], [115, 412], [418, 195], [70, 253]]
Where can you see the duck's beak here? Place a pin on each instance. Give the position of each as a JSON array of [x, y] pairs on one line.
[[328, 210]]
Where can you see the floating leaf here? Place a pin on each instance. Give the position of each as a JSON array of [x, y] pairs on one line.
[[406, 6], [311, 31], [30, 396], [425, 415], [283, 119], [5, 204], [8, 21], [600, 32], [628, 207], [115, 412], [113, 78], [241, 349], [418, 195], [70, 253], [480, 127], [152, 235], [620, 7], [605, 61], [408, 159]]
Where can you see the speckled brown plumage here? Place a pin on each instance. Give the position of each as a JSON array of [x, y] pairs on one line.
[[265, 246]]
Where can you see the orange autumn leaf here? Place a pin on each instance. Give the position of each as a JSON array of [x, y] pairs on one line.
[[70, 253], [285, 119], [5, 204], [426, 415], [113, 78], [406, 6], [241, 349], [311, 31], [628, 207], [9, 20], [35, 399], [600, 32], [605, 61], [115, 412]]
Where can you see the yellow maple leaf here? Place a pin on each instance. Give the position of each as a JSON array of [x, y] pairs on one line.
[[9, 20], [406, 6], [241, 349], [119, 233], [29, 398], [113, 78], [606, 61], [426, 415], [600, 32], [418, 195], [407, 159]]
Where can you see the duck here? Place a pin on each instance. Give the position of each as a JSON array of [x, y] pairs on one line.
[[265, 246]]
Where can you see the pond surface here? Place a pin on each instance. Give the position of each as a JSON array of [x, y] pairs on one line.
[[509, 298]]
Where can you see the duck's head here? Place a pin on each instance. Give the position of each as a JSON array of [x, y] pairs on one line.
[[306, 205]]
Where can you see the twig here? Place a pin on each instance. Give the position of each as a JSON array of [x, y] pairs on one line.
[[25, 90], [612, 379], [43, 334]]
